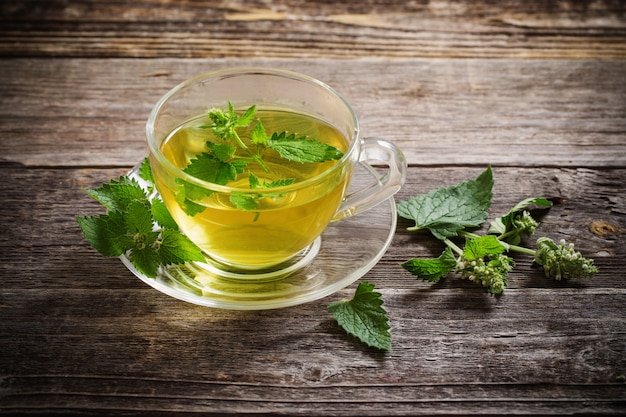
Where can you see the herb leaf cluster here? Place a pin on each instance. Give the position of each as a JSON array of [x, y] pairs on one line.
[[452, 211], [224, 161], [136, 225]]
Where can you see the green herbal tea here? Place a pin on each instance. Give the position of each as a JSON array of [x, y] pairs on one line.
[[272, 226]]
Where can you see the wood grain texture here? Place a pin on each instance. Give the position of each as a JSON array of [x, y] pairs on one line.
[[87, 335], [567, 113], [314, 29], [535, 88]]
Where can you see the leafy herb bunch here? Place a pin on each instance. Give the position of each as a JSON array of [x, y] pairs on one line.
[[230, 155], [450, 213], [453, 211]]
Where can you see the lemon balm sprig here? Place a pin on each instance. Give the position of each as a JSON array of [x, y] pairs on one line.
[[221, 163], [449, 212], [137, 225]]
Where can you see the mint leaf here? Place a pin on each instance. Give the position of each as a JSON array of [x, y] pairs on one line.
[[432, 269], [246, 118], [250, 201], [185, 195], [364, 317], [162, 216], [176, 248], [106, 233], [254, 181], [146, 260], [221, 151], [447, 211], [209, 168], [138, 220], [301, 149], [259, 136], [145, 171], [117, 194], [282, 182], [517, 221], [136, 226], [482, 246], [244, 201]]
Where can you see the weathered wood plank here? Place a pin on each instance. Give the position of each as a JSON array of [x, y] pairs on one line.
[[538, 350], [314, 29], [565, 113]]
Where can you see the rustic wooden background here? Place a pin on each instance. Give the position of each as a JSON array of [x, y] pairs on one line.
[[535, 88]]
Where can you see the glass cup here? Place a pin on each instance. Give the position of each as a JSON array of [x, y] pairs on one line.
[[282, 232]]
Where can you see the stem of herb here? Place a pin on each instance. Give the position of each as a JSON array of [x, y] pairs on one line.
[[522, 249], [240, 143], [453, 246], [514, 248], [255, 158]]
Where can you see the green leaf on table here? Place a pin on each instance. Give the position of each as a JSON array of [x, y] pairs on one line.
[[300, 149], [518, 221], [482, 246], [364, 317], [448, 210], [432, 269]]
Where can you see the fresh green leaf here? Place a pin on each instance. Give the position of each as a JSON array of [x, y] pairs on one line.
[[482, 246], [117, 194], [187, 193], [303, 150], [259, 136], [246, 118], [145, 171], [106, 233], [138, 227], [364, 317], [162, 215], [244, 201], [537, 201], [447, 211], [254, 181], [176, 248], [432, 269], [517, 221], [209, 168], [282, 182], [138, 218], [146, 260], [221, 151]]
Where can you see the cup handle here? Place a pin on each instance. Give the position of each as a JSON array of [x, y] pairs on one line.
[[375, 150]]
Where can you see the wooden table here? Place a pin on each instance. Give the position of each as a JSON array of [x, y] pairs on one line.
[[536, 89]]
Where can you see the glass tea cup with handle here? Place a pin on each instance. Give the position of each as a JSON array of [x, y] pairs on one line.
[[256, 203]]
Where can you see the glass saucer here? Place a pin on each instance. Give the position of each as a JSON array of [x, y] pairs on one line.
[[346, 250]]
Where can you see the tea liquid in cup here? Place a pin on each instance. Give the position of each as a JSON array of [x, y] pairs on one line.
[[284, 221]]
